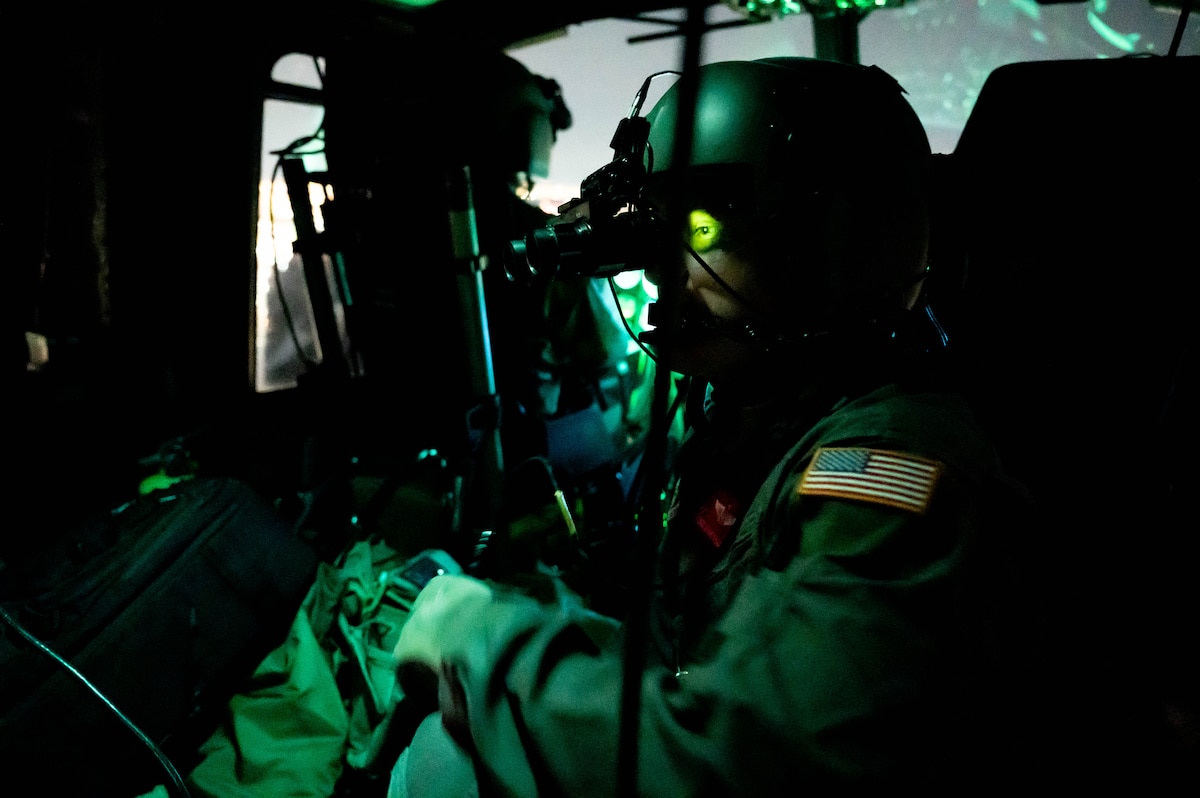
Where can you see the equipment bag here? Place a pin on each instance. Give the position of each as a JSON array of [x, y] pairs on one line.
[[164, 605]]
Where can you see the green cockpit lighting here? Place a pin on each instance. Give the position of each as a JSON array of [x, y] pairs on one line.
[[767, 9], [704, 231]]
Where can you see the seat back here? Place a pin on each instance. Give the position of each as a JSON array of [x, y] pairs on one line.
[[1066, 249]]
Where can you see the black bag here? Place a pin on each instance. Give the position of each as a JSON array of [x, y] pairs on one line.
[[164, 605]]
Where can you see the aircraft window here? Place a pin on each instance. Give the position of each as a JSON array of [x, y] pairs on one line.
[[288, 331], [299, 69]]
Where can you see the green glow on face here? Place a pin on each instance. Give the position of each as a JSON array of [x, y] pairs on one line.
[[704, 232], [415, 3]]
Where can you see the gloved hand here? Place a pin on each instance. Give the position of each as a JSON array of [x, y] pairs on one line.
[[442, 621], [445, 618]]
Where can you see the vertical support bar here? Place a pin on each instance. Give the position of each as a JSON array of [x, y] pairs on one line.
[[835, 36], [489, 465]]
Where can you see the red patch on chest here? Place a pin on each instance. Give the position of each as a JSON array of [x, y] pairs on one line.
[[718, 516]]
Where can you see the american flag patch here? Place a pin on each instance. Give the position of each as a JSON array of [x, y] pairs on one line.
[[872, 475]]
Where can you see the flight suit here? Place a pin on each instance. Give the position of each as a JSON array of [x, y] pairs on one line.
[[844, 624]]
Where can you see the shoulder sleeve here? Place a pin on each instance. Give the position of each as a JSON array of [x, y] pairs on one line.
[[841, 663], [543, 686], [829, 669]]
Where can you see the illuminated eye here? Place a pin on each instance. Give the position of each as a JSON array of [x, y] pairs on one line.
[[704, 232]]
